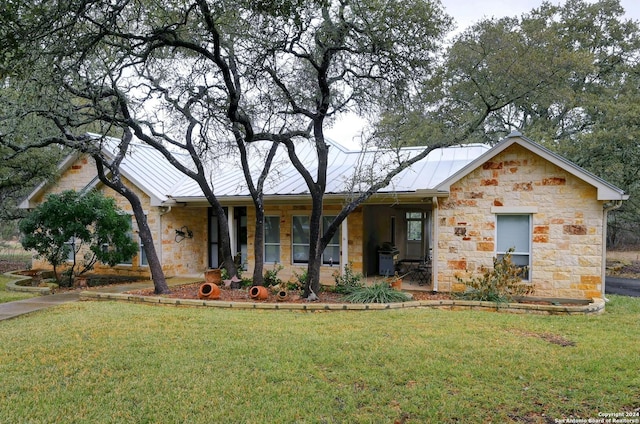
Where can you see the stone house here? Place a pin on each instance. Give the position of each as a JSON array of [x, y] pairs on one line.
[[448, 215]]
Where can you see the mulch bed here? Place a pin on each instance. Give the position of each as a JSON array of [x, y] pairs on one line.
[[190, 291]]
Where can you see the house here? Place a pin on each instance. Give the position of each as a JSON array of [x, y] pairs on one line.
[[452, 212]]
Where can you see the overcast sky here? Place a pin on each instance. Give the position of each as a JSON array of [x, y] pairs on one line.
[[466, 13]]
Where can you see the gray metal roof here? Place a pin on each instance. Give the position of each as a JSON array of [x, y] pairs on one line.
[[284, 179], [151, 172]]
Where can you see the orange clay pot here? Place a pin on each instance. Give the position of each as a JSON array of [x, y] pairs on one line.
[[396, 283], [209, 291], [258, 293], [213, 276]]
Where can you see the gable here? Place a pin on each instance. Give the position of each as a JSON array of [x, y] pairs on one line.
[[604, 190]]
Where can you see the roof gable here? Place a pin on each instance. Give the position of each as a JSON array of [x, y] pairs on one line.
[[605, 191]]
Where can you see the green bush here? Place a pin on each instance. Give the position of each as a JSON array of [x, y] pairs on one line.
[[377, 293], [501, 284], [271, 276], [348, 282], [302, 278]]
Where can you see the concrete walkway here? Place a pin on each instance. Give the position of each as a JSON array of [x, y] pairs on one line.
[[21, 307], [25, 306]]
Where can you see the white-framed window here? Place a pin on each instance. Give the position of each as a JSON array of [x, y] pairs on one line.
[[301, 239], [130, 234], [143, 254], [71, 256], [513, 231], [272, 239], [331, 254]]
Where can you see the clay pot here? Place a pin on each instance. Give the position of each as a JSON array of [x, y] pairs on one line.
[[258, 293], [213, 276], [396, 283], [209, 291], [282, 295]]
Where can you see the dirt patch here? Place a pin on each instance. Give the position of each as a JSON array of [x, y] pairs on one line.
[[548, 337]]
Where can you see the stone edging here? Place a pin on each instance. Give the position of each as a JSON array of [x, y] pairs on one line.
[[595, 307], [13, 285]]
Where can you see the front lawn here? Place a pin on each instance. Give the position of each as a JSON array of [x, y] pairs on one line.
[[112, 362], [10, 296]]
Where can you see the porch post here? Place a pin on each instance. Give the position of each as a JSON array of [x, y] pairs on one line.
[[434, 256], [344, 245], [232, 231]]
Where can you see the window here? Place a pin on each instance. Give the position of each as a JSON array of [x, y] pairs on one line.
[[331, 254], [130, 233], [143, 255], [301, 239], [514, 232], [71, 255], [272, 239]]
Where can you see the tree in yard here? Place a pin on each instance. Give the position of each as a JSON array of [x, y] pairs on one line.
[[212, 77], [207, 76], [587, 110], [72, 223]]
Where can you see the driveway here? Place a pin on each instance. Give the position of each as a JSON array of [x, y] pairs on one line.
[[623, 286]]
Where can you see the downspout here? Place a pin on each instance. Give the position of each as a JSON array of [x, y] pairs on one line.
[[434, 255], [616, 205]]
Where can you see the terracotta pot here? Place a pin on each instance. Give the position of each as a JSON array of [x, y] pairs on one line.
[[258, 293], [396, 283], [209, 291], [213, 276], [282, 295]]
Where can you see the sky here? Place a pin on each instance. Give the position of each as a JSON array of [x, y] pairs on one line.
[[465, 13]]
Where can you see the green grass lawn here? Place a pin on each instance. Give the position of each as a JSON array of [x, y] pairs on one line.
[[10, 296], [110, 362]]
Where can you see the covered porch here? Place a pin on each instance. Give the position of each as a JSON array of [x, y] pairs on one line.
[[398, 240]]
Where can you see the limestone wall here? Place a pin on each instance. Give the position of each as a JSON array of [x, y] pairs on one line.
[[567, 224]]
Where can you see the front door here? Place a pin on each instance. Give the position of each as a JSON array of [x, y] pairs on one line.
[[416, 232]]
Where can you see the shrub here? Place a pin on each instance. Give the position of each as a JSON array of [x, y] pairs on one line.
[[302, 279], [377, 293], [271, 276], [348, 282], [501, 284]]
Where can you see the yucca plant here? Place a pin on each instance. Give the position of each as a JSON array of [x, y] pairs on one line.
[[377, 293]]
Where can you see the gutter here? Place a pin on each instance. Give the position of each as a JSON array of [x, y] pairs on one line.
[[606, 210]]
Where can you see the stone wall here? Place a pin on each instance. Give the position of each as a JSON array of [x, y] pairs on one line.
[[566, 220]]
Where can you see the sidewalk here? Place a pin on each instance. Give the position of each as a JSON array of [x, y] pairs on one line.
[[21, 307]]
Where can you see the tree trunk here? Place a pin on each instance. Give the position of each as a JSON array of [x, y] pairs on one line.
[[157, 274], [258, 247], [315, 247]]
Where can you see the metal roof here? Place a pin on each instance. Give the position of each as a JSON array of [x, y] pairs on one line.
[[152, 173], [284, 179]]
